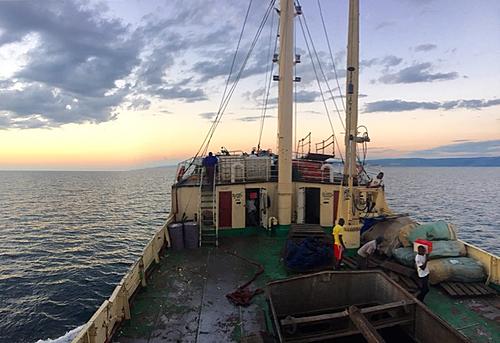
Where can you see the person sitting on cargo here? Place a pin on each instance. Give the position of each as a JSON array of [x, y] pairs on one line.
[[423, 272], [367, 250], [338, 242], [210, 162], [377, 182]]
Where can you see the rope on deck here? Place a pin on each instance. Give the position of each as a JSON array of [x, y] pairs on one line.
[[243, 296]]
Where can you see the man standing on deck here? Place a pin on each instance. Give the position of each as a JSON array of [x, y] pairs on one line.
[[423, 272], [366, 251], [338, 242], [210, 162]]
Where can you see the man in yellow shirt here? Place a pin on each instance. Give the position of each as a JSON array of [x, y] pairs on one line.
[[338, 242]]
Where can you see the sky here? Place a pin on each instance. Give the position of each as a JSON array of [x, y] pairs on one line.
[[117, 85]]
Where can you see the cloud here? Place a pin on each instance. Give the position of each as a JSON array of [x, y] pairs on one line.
[[465, 149], [77, 51], [384, 24], [38, 106], [253, 118], [207, 115], [417, 73], [387, 61], [306, 96], [425, 47], [401, 105], [181, 93], [139, 104]]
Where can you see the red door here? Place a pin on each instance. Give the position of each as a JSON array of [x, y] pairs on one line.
[[335, 206], [225, 209]]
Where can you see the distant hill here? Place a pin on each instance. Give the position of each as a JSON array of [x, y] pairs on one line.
[[438, 162]]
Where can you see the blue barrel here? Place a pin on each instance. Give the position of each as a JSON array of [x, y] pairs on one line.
[[176, 232], [191, 235]]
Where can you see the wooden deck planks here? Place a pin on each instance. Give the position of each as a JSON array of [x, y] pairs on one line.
[[461, 289]]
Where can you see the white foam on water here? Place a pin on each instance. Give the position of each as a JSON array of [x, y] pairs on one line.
[[66, 338]]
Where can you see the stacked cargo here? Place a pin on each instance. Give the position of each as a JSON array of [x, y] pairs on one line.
[[447, 260]]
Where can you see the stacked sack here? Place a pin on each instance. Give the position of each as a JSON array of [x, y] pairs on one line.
[[447, 261]]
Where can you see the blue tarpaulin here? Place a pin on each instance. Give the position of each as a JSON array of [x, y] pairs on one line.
[[308, 254]]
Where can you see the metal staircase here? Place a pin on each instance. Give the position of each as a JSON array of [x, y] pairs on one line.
[[207, 219]]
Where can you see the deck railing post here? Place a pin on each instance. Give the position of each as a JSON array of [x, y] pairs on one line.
[[126, 304], [142, 272], [156, 250], [91, 333]]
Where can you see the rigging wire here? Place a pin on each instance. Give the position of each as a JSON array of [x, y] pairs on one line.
[[331, 54], [238, 76], [319, 84], [226, 85], [321, 67]]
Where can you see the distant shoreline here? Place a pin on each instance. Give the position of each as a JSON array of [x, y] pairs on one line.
[[384, 162], [437, 162]]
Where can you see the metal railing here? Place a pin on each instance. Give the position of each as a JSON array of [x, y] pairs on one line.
[[112, 312], [321, 146], [252, 168]]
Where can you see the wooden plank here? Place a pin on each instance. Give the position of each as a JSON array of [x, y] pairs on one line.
[[448, 289], [475, 290], [367, 330], [456, 289], [397, 268], [464, 287], [350, 262], [328, 316], [484, 290]]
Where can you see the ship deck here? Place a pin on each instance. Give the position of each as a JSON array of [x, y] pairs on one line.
[[185, 299]]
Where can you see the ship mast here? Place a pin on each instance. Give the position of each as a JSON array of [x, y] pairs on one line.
[[348, 210], [285, 112]]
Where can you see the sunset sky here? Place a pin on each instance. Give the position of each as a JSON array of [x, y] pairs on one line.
[[112, 85]]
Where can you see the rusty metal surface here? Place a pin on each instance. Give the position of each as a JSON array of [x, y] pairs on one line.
[[324, 294]]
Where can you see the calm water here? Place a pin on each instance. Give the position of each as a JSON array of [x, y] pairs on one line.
[[66, 238]]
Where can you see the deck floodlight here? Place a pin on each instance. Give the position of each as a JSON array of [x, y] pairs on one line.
[[297, 58], [276, 78], [275, 58], [297, 79], [298, 9]]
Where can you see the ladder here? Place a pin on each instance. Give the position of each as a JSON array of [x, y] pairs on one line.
[[209, 233]]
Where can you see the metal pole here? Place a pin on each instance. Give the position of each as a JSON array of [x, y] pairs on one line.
[[285, 112], [347, 209]]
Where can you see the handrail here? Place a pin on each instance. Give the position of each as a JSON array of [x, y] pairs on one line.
[[200, 191], [321, 146], [103, 323], [214, 216], [306, 141]]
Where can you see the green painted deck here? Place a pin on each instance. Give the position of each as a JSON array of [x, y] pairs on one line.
[[185, 301]]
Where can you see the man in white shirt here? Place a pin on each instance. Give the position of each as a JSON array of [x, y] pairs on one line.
[[377, 182], [423, 272], [366, 251]]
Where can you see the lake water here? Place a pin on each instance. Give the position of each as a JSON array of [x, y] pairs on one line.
[[67, 238]]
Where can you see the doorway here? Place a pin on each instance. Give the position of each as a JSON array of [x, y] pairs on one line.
[[225, 209], [252, 207], [312, 205]]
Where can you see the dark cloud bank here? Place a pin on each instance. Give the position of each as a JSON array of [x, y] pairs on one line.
[[87, 64], [401, 105]]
